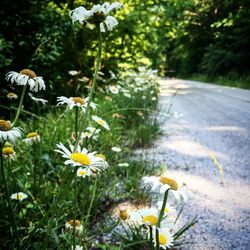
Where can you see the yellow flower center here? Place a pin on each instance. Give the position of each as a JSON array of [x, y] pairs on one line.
[[123, 214], [82, 172], [78, 100], [81, 158], [8, 151], [11, 94], [32, 134], [166, 210], [101, 156], [171, 182], [4, 125], [19, 196], [162, 239], [151, 219], [28, 72], [100, 122]]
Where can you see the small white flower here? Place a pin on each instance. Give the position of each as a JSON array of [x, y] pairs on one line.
[[123, 164], [26, 77], [116, 149], [114, 90], [31, 138], [7, 133], [83, 172], [153, 98], [82, 158], [165, 238], [75, 102], [101, 122], [20, 196], [90, 133], [12, 95], [74, 72]]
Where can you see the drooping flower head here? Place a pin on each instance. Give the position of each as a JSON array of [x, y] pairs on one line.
[[177, 192], [82, 158], [20, 196], [7, 133], [32, 137], [11, 96], [75, 102], [69, 226], [98, 15], [8, 153], [26, 77]]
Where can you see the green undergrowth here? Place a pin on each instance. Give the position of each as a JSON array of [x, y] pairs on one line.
[[133, 122]]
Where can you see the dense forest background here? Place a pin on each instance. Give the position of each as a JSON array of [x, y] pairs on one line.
[[179, 38]]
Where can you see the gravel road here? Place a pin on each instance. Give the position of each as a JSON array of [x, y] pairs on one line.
[[209, 129]]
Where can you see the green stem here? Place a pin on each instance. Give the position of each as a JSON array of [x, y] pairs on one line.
[[20, 105], [12, 217], [97, 66], [91, 202], [157, 238], [151, 238], [162, 208], [75, 211], [76, 125]]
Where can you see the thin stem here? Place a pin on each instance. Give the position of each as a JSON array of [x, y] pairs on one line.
[[157, 238], [97, 66], [76, 125], [20, 105], [151, 238], [12, 217], [162, 208], [75, 211], [92, 200]]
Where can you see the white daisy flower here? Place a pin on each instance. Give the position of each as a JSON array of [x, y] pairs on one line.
[[75, 102], [166, 239], [83, 172], [12, 95], [177, 192], [37, 100], [7, 133], [27, 77], [69, 226], [98, 15], [90, 132], [20, 196], [114, 90], [101, 122], [116, 149], [149, 217], [153, 98], [9, 153], [82, 158], [31, 138]]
